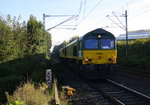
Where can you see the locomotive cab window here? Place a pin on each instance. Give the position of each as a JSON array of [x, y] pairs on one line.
[[107, 44], [91, 44]]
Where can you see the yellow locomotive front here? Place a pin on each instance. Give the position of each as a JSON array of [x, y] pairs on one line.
[[99, 54], [99, 51]]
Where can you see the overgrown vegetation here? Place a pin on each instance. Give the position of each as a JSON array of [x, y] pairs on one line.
[[138, 53], [30, 94], [24, 49], [24, 54]]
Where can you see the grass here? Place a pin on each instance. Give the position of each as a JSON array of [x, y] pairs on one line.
[[31, 94]]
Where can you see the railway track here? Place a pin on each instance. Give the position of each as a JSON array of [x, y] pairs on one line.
[[135, 72], [107, 93], [119, 94]]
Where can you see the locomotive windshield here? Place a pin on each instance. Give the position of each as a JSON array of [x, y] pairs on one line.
[[91, 44], [107, 44], [99, 44]]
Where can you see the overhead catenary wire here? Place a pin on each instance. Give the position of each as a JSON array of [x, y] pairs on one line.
[[84, 8], [145, 11], [77, 19], [115, 22], [84, 17], [70, 18], [118, 19], [115, 14], [90, 11], [80, 8], [79, 13]]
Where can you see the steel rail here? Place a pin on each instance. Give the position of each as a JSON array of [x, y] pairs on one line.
[[105, 94], [113, 99], [137, 73], [144, 97]]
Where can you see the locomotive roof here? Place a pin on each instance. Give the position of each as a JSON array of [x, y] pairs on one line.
[[96, 32]]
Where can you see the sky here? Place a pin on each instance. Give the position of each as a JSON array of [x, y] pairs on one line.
[[91, 14]]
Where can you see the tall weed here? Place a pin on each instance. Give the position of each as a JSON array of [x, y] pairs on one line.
[[31, 95]]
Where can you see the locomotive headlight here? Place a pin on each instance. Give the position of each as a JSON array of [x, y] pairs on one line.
[[111, 59], [86, 59], [99, 36]]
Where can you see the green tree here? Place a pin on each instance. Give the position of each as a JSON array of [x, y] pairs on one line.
[[38, 39], [6, 41], [48, 42], [34, 29], [73, 38]]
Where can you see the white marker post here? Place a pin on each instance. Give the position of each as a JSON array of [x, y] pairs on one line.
[[49, 77]]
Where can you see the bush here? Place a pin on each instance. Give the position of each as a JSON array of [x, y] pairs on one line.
[[30, 95], [8, 84], [138, 53]]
